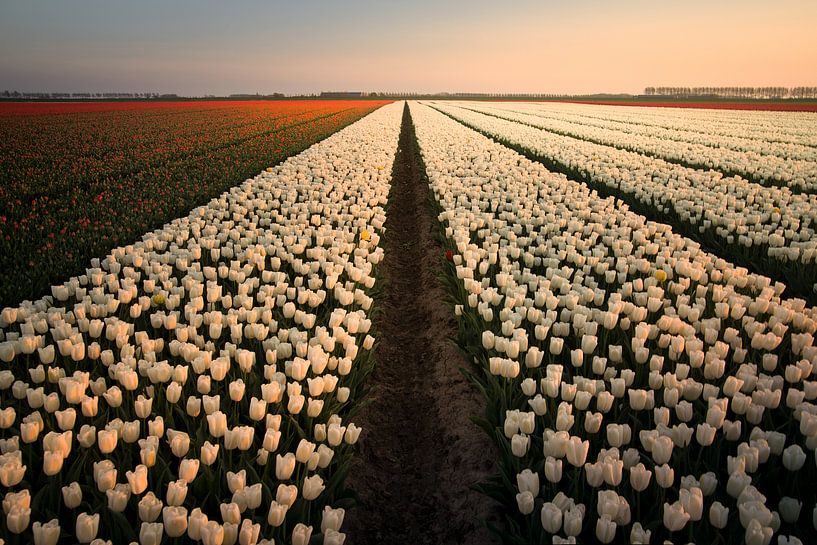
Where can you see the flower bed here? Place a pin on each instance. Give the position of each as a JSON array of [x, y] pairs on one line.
[[638, 388], [757, 161], [75, 185], [198, 384], [766, 229]]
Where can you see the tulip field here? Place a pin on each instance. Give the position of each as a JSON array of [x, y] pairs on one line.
[[183, 349], [76, 179], [199, 380], [763, 227], [639, 388]]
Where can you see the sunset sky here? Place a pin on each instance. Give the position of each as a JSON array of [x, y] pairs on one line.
[[582, 46]]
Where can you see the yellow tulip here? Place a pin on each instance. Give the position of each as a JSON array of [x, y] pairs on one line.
[[661, 275]]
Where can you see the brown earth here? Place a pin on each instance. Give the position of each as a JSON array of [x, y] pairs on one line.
[[419, 452]]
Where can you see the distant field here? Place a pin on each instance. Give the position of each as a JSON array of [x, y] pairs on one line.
[[810, 106], [77, 179]]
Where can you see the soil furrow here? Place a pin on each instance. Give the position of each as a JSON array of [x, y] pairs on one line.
[[420, 452]]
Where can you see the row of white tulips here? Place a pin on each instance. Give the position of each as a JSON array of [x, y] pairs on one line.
[[703, 128], [767, 163], [769, 224], [640, 388], [796, 128], [195, 386]]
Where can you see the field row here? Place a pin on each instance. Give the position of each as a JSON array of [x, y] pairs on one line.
[[76, 185], [766, 229], [199, 382], [766, 163], [746, 125], [624, 367]]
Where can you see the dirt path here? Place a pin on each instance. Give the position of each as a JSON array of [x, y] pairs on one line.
[[420, 452]]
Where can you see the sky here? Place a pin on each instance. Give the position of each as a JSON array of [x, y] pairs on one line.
[[198, 47]]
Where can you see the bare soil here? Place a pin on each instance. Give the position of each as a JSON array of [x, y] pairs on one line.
[[419, 452]]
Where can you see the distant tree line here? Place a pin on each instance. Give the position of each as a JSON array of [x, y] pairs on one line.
[[734, 92], [17, 94]]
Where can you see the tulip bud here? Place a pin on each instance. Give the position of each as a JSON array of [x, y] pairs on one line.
[[528, 480], [195, 521], [793, 457], [304, 451], [138, 479], [664, 475], [118, 497], [573, 520], [639, 535], [176, 493], [605, 529], [757, 534], [640, 477], [352, 434], [332, 519], [150, 507], [301, 534], [72, 495], [577, 451], [150, 533], [52, 462], [333, 537], [46, 534], [258, 409], [551, 517], [312, 487], [790, 509], [236, 481], [553, 470], [175, 520], [87, 527], [237, 388], [284, 466], [209, 453], [249, 533], [17, 519], [524, 501], [692, 500], [277, 513]]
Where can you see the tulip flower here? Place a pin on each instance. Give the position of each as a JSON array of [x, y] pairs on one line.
[[118, 497], [86, 527], [692, 500], [312, 487], [149, 507], [72, 495], [17, 519], [573, 521], [528, 480], [209, 453], [195, 522], [301, 534], [757, 534], [524, 502], [675, 518], [236, 481], [46, 533], [175, 520], [332, 519], [605, 529], [176, 492], [276, 514], [551, 518], [248, 533], [150, 533]]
